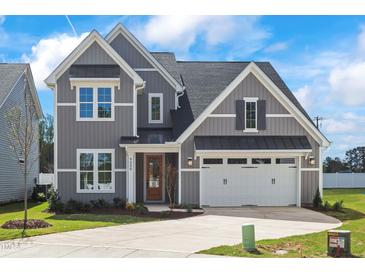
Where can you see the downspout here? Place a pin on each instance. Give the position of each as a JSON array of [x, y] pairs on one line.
[[136, 92], [180, 93]]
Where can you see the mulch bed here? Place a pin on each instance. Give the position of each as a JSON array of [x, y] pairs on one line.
[[118, 211], [31, 224]]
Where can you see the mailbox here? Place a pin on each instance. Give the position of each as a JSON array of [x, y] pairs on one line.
[[338, 243], [248, 237]]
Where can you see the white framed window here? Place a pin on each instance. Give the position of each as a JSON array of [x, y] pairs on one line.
[[155, 108], [95, 102], [250, 114], [95, 171]]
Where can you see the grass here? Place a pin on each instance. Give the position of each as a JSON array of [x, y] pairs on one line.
[[60, 222], [312, 245]]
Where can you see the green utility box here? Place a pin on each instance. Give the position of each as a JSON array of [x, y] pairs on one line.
[[248, 237], [339, 243]]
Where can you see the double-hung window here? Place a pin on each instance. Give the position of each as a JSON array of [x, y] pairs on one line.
[[95, 103], [155, 108], [95, 170], [251, 114]]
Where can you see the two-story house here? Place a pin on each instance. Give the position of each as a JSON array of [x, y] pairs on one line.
[[233, 130]]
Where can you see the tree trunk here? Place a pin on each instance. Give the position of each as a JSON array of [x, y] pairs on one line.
[[25, 196]]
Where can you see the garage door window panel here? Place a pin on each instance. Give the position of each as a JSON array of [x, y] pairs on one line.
[[261, 161], [237, 161], [213, 161], [285, 161]]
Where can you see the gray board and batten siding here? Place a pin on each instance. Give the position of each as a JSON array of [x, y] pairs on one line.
[[11, 176]]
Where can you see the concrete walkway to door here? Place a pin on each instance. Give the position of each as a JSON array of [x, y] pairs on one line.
[[172, 238]]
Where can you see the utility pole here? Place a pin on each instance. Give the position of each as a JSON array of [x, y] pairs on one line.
[[317, 120]]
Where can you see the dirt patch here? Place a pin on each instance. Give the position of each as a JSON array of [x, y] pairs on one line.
[[31, 224], [281, 249]]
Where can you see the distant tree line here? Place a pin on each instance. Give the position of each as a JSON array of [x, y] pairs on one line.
[[354, 162], [46, 133]]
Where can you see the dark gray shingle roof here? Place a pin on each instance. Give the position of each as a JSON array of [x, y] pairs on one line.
[[168, 61], [9, 74], [251, 142]]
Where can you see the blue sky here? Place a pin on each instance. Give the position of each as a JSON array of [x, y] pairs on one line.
[[321, 58]]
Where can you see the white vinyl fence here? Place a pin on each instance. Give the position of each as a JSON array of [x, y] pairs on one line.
[[343, 180], [46, 178]]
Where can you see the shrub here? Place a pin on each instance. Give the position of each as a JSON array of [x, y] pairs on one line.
[[73, 206], [41, 197], [100, 203], [54, 202], [338, 205], [141, 208], [317, 200], [130, 206], [119, 202], [326, 206]]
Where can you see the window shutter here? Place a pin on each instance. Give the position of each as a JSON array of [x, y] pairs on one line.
[[240, 115], [261, 114]]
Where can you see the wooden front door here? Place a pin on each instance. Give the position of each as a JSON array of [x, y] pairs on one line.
[[154, 177]]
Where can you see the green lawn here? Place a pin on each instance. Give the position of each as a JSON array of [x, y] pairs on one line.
[[60, 222], [315, 244]]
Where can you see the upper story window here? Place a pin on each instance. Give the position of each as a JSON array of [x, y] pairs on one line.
[[95, 103], [155, 108], [251, 114]]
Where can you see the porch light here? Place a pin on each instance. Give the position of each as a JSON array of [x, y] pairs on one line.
[[190, 162], [312, 161]]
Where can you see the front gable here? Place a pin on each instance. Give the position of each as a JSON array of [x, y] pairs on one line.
[[251, 80], [94, 54]]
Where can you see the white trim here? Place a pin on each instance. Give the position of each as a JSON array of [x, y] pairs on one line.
[[190, 169], [150, 96], [145, 69], [94, 86], [310, 169], [124, 104], [97, 81], [67, 170], [250, 100], [278, 115], [120, 29], [131, 177], [200, 182], [120, 169], [66, 104], [16, 82], [223, 115], [150, 148], [301, 151], [55, 139], [95, 170], [299, 185], [273, 89], [94, 36], [179, 175], [320, 166]]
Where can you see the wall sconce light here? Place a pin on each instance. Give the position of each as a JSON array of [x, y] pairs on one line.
[[312, 161], [190, 162]]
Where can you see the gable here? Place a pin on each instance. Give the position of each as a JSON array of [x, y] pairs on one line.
[[90, 40], [95, 55], [277, 93], [250, 87], [129, 53]]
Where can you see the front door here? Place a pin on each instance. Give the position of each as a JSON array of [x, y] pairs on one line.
[[154, 177]]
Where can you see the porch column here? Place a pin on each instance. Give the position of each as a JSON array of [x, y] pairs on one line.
[[131, 176], [299, 190]]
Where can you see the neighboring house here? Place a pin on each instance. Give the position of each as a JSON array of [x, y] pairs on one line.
[[13, 79], [233, 130]]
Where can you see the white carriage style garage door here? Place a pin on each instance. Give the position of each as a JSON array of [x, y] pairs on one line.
[[249, 181]]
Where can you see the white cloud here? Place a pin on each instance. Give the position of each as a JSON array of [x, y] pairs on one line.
[[348, 83], [179, 33], [339, 126], [48, 53], [279, 46], [353, 116], [304, 96]]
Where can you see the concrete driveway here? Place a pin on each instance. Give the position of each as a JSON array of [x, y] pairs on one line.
[[172, 238]]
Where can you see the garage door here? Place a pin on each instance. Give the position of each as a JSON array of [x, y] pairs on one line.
[[248, 181]]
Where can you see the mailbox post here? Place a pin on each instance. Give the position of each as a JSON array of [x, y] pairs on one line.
[[339, 243]]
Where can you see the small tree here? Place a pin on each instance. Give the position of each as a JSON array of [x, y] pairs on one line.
[[171, 173], [22, 131], [317, 200]]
